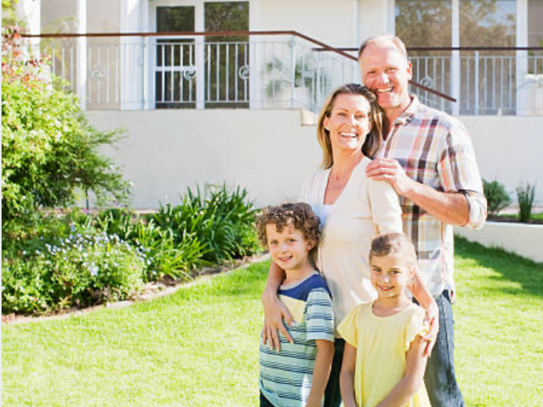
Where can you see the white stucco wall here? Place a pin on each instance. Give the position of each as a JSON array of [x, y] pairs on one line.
[[509, 149], [268, 152], [330, 22], [375, 17], [522, 239]]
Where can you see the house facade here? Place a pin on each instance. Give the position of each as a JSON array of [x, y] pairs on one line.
[[239, 106]]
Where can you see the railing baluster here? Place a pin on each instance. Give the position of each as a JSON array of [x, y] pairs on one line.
[[72, 68], [89, 75], [217, 77], [493, 63], [163, 73], [502, 78], [172, 57], [108, 49], [227, 63], [511, 83], [245, 62], [208, 78], [236, 73], [476, 74], [182, 78]]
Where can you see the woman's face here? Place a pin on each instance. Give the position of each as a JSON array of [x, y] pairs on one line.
[[348, 123]]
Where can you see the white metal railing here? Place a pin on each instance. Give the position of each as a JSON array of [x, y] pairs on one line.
[[484, 84], [283, 71], [187, 72]]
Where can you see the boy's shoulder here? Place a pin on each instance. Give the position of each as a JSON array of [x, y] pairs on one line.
[[302, 291]]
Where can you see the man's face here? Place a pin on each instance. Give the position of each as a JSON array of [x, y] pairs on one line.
[[386, 71]]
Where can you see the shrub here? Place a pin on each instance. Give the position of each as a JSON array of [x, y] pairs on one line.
[[49, 150], [167, 256], [525, 196], [219, 218], [85, 268], [496, 196]]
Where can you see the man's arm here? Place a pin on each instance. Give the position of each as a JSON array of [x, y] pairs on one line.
[[321, 372], [346, 377], [274, 310], [449, 207], [406, 388], [427, 301]]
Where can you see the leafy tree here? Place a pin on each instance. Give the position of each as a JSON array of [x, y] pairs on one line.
[[49, 150]]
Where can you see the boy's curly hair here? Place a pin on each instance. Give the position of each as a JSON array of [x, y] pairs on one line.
[[299, 215]]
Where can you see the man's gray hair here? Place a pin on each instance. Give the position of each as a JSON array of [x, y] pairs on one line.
[[380, 38]]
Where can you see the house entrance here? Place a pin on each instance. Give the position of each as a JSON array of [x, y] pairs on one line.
[[197, 71]]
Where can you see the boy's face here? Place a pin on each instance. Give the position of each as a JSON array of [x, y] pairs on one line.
[[288, 248]]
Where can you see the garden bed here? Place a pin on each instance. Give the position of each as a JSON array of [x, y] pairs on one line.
[[166, 286], [537, 219]]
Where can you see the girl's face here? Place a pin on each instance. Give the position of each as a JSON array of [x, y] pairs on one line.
[[349, 122], [390, 274]]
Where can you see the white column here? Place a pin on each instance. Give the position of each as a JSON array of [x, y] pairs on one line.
[[455, 57], [256, 68], [522, 56], [81, 24], [199, 42]]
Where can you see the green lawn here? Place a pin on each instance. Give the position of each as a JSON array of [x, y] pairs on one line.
[[198, 347]]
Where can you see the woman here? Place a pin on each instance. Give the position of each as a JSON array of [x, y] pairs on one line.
[[353, 210]]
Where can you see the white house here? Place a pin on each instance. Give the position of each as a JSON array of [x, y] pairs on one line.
[[240, 108]]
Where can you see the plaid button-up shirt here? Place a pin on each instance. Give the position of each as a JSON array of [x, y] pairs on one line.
[[435, 149]]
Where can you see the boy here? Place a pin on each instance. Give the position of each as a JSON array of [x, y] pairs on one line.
[[296, 376]]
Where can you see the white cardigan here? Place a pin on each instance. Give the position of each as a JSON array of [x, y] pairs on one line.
[[365, 209]]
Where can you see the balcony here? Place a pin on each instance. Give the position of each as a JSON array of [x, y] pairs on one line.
[[275, 70]]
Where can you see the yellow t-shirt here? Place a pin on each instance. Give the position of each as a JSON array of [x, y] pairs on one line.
[[381, 344]]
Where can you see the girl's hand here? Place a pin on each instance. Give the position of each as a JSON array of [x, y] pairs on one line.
[[274, 313], [432, 320]]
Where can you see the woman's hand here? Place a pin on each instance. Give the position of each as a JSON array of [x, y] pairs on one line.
[[432, 319], [274, 313]]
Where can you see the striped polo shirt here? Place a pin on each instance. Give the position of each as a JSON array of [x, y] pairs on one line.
[[286, 376]]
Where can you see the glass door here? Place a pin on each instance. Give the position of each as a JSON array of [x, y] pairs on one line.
[[226, 57], [175, 68]]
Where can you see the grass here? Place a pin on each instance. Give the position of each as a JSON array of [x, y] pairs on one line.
[[198, 347]]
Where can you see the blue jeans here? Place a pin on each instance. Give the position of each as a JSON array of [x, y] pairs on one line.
[[440, 379]]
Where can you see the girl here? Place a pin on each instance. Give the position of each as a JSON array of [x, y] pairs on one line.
[[384, 362]]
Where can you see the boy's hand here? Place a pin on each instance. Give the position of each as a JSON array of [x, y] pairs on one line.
[[274, 313]]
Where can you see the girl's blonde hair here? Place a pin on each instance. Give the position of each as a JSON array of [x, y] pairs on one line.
[[374, 139], [399, 243]]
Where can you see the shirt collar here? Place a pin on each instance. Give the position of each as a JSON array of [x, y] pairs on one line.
[[409, 113]]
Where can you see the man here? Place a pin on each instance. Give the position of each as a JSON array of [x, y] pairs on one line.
[[429, 160]]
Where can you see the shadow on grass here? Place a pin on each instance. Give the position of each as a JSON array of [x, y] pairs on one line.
[[510, 266]]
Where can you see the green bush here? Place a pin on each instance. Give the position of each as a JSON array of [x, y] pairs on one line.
[[525, 196], [49, 150], [219, 218], [82, 269], [496, 196]]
